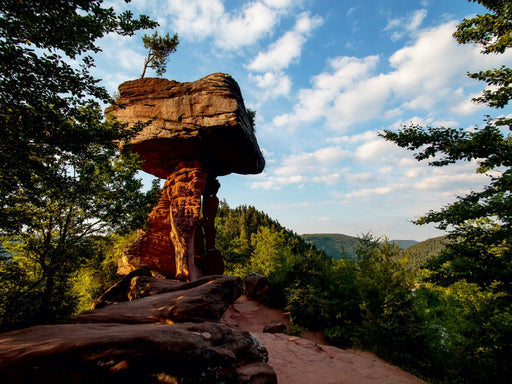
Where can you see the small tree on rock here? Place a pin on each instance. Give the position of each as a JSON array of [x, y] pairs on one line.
[[160, 47]]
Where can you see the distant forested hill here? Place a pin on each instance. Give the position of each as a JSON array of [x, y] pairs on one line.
[[404, 244], [425, 250], [336, 245]]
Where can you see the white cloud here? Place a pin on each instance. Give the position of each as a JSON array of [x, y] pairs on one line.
[[279, 3], [281, 54], [316, 102], [406, 25], [376, 151], [351, 11], [416, 19], [365, 136], [331, 164], [312, 162], [428, 75], [430, 187], [349, 106], [251, 24], [130, 59], [364, 166], [272, 84], [229, 30], [321, 166], [195, 18], [369, 192], [456, 179], [361, 178]]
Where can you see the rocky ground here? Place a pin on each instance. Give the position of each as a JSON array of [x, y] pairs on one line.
[[309, 360], [168, 332], [151, 330]]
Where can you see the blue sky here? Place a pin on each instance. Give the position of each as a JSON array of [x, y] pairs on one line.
[[325, 76]]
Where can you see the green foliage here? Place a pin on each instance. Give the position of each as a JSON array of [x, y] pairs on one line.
[[99, 272], [471, 304], [32, 292], [470, 333], [160, 47], [454, 334], [251, 113], [250, 241], [480, 222], [391, 323], [422, 252], [46, 105], [235, 228], [491, 30], [62, 180]]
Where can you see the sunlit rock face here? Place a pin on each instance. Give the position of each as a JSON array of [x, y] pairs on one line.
[[195, 132]]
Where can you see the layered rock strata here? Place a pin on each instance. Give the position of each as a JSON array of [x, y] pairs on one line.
[[194, 132]]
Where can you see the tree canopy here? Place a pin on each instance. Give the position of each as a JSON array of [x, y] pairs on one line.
[[160, 47], [480, 222], [49, 106], [473, 274], [62, 179]]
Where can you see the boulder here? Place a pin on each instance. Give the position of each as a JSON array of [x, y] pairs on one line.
[[143, 282], [256, 287], [206, 302], [275, 328], [138, 353], [171, 335], [193, 132]]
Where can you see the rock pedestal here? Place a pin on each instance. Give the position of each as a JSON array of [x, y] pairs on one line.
[[194, 132]]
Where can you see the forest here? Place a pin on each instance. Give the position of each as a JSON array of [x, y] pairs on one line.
[[382, 300], [70, 203]]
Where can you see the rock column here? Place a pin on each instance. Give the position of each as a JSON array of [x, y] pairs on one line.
[[185, 188]]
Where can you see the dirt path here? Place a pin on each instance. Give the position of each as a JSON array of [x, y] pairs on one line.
[[308, 360]]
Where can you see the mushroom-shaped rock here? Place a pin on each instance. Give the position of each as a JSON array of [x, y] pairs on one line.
[[205, 120], [194, 133]]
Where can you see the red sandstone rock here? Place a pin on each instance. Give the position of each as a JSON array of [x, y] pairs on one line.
[[196, 131], [153, 247], [140, 353], [185, 188], [205, 120], [256, 287], [206, 302], [141, 283], [150, 348]]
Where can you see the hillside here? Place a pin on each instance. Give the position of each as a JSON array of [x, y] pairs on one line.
[[425, 250], [336, 245]]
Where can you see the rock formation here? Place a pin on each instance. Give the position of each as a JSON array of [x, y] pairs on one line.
[[165, 302], [256, 287], [194, 133], [170, 335]]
